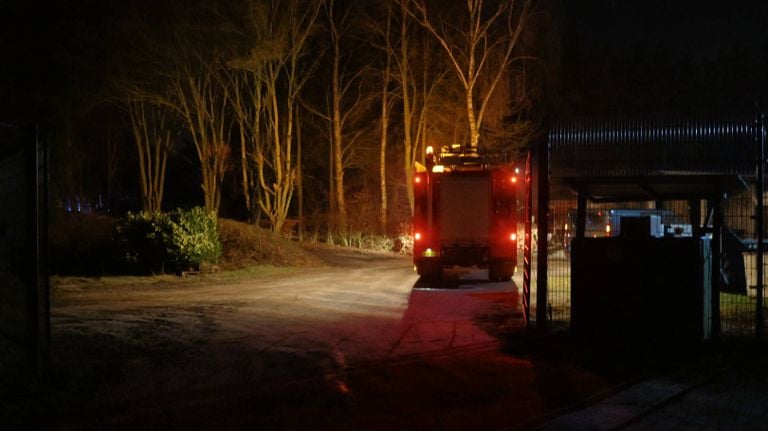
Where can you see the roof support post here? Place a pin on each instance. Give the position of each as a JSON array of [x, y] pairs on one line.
[[581, 215], [759, 223], [716, 208], [694, 213]]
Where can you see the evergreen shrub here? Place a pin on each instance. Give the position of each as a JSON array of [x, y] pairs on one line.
[[168, 242]]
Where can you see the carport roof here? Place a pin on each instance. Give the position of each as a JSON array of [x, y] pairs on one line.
[[663, 185], [655, 157]]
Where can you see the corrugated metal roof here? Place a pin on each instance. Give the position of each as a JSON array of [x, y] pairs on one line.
[[655, 157]]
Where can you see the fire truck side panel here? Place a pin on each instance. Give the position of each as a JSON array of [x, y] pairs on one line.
[[503, 250], [426, 246]]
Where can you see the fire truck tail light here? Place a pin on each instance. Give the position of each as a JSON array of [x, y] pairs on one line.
[[513, 179], [513, 237], [417, 236], [417, 180]]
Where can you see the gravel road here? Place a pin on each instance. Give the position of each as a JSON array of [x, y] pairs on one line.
[[359, 343]]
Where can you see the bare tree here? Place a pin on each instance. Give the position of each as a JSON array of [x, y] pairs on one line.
[[192, 90], [385, 111], [345, 111], [336, 27], [419, 81], [153, 140], [151, 125], [183, 74], [196, 94], [277, 72], [245, 92], [347, 150], [405, 86], [472, 49]]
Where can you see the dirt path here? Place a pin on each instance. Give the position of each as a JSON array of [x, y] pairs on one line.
[[357, 344]]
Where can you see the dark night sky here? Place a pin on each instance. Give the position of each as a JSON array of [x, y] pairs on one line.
[[652, 55], [52, 53], [622, 55], [689, 29]]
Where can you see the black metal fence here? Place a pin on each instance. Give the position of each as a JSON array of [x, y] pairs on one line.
[[699, 173], [24, 308]]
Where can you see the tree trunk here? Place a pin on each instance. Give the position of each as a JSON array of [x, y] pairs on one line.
[[299, 180], [338, 163], [407, 127], [152, 141], [245, 172], [384, 129], [112, 166], [383, 164], [474, 132]]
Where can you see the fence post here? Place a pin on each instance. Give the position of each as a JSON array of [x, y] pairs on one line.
[[542, 229], [527, 264], [37, 291]]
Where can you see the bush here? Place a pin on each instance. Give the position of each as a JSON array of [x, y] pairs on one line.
[[179, 240], [140, 239], [81, 243], [195, 237]]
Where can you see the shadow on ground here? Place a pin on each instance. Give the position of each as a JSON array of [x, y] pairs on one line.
[[455, 357]]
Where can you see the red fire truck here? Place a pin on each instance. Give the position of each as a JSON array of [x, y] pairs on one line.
[[464, 214]]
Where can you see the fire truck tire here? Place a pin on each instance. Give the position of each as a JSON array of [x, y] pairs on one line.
[[429, 269], [436, 280], [433, 278], [493, 274], [498, 274]]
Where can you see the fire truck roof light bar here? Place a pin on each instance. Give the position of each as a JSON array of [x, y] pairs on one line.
[[451, 159]]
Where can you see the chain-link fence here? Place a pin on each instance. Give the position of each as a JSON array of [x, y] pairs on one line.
[[738, 295]]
